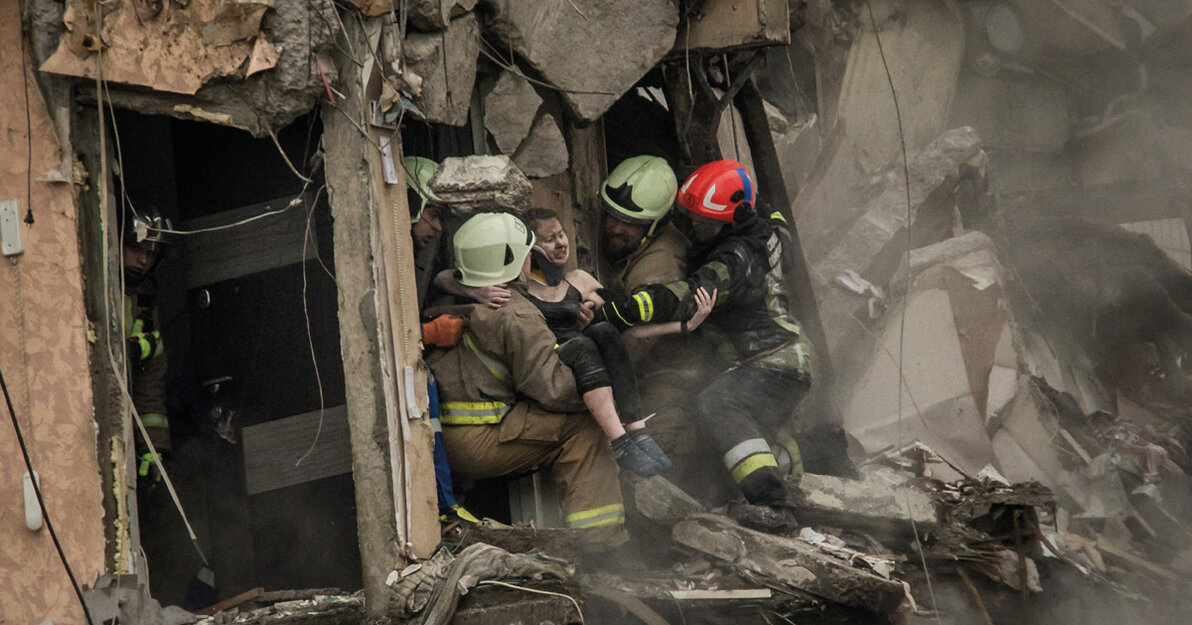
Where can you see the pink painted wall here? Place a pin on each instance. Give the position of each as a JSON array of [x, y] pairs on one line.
[[44, 359]]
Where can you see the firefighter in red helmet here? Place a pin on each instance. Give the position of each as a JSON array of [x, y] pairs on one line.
[[738, 253]]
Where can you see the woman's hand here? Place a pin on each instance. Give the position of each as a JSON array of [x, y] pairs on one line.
[[704, 304], [492, 296], [587, 312]]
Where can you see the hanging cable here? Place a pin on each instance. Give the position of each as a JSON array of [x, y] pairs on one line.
[[28, 126], [45, 514], [906, 178]]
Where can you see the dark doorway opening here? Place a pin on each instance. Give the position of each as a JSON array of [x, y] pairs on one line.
[[247, 308]]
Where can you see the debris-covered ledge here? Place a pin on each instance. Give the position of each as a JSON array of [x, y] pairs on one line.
[[254, 65]]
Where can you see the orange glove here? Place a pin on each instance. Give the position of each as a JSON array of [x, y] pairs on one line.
[[443, 331]]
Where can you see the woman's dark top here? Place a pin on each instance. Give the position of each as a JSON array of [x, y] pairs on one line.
[[562, 317]]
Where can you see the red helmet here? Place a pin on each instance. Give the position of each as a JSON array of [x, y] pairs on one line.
[[718, 190]]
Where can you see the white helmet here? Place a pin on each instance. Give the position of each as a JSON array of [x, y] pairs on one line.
[[490, 248]]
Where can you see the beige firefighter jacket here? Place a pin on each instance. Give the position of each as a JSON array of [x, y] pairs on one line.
[[504, 367]]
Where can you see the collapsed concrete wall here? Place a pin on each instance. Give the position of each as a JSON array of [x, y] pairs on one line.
[[44, 358], [255, 66]]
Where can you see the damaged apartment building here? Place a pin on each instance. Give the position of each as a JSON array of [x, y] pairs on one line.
[[992, 260]]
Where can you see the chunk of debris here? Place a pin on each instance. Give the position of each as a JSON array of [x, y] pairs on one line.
[[433, 587], [176, 53], [446, 63], [544, 151], [122, 598], [428, 15], [866, 506], [477, 184], [789, 563], [663, 502], [633, 36], [510, 104], [941, 177], [958, 370]]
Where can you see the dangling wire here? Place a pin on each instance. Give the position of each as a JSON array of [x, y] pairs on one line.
[[906, 177], [28, 126]]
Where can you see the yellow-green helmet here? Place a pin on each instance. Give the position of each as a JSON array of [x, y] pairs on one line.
[[641, 190], [490, 249], [419, 170]]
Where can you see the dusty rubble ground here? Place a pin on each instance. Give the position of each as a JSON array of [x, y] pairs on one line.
[[998, 262]]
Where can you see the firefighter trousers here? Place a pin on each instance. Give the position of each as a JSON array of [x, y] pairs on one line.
[[735, 411], [570, 446]]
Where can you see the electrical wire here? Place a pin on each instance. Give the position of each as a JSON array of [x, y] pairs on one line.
[[41, 501], [28, 124], [310, 337], [906, 176], [578, 610]]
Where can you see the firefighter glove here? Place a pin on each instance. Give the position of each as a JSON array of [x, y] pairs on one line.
[[443, 331], [142, 345]]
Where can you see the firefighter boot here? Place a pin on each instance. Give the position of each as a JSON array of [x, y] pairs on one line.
[[769, 519]]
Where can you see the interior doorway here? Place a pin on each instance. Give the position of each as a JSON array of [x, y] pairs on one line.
[[247, 308]]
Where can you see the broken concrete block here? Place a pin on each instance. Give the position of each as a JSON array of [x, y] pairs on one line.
[[544, 151], [659, 500], [789, 563], [478, 184], [924, 49], [954, 323], [620, 41], [510, 104], [446, 62], [428, 14], [870, 506], [872, 246], [720, 25]]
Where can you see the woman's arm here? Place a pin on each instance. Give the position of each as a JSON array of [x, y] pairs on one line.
[[704, 304], [491, 296]]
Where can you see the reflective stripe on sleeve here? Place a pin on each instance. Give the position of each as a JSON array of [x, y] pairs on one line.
[[645, 306]]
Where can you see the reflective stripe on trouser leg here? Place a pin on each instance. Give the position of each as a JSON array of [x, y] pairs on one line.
[[748, 456], [613, 514], [155, 420], [786, 450]]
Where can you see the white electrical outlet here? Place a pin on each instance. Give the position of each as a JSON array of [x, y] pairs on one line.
[[32, 508], [10, 228]]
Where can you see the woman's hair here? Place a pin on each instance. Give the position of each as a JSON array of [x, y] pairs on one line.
[[535, 216]]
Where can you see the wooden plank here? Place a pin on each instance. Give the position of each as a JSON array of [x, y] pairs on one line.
[[352, 207], [267, 243], [272, 450], [232, 602], [773, 185], [722, 595], [411, 438], [588, 169]]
